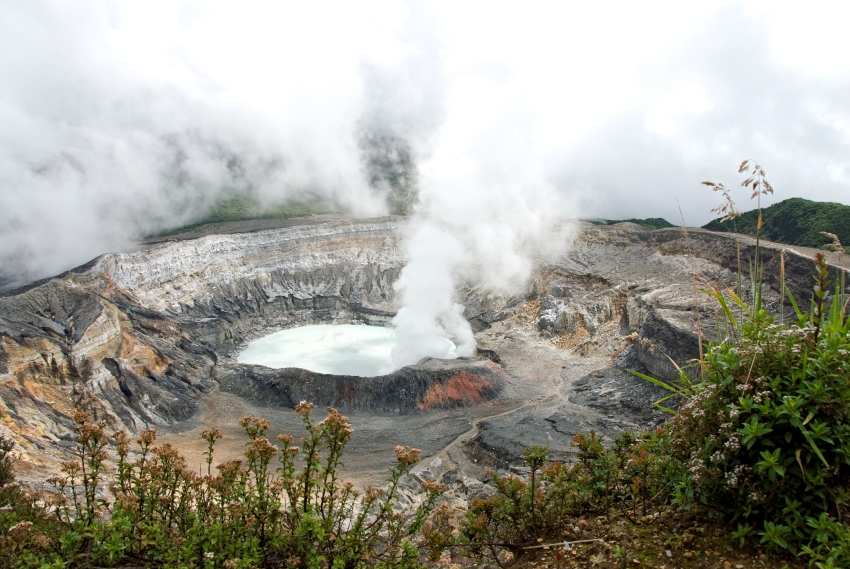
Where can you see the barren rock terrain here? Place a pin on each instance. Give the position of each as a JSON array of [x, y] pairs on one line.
[[149, 339]]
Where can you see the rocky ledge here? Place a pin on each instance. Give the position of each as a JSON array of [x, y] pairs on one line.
[[431, 384]]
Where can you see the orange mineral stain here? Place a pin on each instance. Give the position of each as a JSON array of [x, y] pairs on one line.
[[461, 388]]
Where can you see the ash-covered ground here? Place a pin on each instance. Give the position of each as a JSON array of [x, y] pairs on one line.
[[149, 339]]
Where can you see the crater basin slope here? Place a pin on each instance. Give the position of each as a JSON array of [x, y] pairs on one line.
[[148, 339]]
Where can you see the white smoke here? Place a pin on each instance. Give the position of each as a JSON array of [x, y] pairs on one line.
[[579, 102], [121, 120], [484, 220], [427, 286]]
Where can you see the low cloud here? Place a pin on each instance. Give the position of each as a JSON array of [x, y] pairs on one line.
[[488, 125]]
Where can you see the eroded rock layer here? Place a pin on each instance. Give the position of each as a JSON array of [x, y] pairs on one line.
[[432, 384], [139, 339]]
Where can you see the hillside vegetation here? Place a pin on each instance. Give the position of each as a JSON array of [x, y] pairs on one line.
[[794, 221], [240, 208]]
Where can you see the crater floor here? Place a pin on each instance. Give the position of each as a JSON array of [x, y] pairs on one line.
[[465, 441]]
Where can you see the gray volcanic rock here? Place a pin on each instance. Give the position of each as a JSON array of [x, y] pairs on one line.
[[431, 384], [67, 347], [143, 339], [135, 338], [607, 401], [501, 441], [619, 395], [643, 281]]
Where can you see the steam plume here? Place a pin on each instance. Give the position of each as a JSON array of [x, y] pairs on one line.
[[122, 119], [479, 224]]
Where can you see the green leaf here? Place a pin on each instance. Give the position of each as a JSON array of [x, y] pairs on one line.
[[659, 383], [797, 310], [814, 447], [752, 430]]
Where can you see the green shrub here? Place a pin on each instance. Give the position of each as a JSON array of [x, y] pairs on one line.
[[7, 477], [766, 441], [153, 510], [630, 479], [521, 509], [632, 476], [24, 524]]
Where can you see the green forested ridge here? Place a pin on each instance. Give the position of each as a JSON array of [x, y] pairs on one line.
[[795, 221], [241, 207]]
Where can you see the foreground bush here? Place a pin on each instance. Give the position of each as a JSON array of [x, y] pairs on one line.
[[765, 443], [155, 511], [630, 480]]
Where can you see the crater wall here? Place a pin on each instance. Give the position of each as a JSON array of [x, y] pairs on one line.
[[139, 339]]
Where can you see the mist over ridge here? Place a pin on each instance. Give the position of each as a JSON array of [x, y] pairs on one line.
[[485, 126]]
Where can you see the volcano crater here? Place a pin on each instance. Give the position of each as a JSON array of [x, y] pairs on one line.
[[151, 339]]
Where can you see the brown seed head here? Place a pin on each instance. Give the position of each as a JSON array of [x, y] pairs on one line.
[[231, 468], [41, 541], [254, 426], [168, 453], [836, 242], [211, 435], [122, 442], [304, 409], [91, 432], [261, 449], [147, 437], [337, 425], [407, 455], [433, 487], [80, 416], [70, 467], [20, 530]]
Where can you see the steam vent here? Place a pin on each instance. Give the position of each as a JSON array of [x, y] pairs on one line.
[[151, 339]]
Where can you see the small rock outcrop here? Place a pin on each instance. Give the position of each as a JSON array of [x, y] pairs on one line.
[[430, 385]]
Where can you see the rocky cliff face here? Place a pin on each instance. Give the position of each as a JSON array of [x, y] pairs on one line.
[[139, 339], [135, 338]]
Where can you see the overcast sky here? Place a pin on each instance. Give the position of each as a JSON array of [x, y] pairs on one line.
[[122, 118]]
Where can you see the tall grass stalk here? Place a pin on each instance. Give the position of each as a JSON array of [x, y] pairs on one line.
[[782, 287], [729, 212], [839, 248], [759, 186], [693, 279]]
